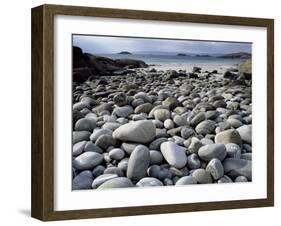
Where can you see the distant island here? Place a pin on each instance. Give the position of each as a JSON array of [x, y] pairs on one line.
[[203, 55], [181, 54], [125, 52], [239, 55]]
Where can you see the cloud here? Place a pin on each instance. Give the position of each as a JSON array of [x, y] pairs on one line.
[[107, 44]]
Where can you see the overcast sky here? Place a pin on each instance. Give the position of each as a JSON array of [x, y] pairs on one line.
[[105, 44]]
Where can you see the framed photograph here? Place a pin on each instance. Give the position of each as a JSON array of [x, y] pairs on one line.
[[141, 112]]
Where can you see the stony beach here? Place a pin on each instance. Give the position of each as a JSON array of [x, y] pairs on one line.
[[136, 125]]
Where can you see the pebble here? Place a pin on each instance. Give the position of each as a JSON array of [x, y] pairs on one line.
[[80, 136], [89, 146], [142, 131], [205, 127], [233, 150], [119, 182], [245, 133], [169, 124], [138, 163], [124, 111], [193, 161], [186, 180], [116, 154], [83, 180], [149, 182], [174, 154], [155, 157], [241, 179], [98, 132], [202, 176], [85, 124], [215, 168], [197, 119], [120, 99], [229, 136], [102, 178], [78, 148], [210, 151], [98, 170], [162, 114], [105, 141], [238, 167], [87, 160], [187, 132]]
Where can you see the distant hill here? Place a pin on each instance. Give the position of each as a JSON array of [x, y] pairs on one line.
[[181, 54], [239, 55], [203, 55], [125, 52]]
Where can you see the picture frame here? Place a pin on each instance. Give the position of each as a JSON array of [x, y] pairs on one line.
[[43, 83]]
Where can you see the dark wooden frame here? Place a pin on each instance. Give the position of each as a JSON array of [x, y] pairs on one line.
[[43, 119]]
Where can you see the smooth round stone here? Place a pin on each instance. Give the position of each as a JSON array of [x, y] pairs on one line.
[[119, 182], [155, 145], [85, 124], [235, 123], [187, 132], [193, 161], [87, 160], [128, 147], [137, 102], [104, 141], [215, 168], [80, 136], [238, 167], [168, 182], [206, 141], [80, 105], [153, 171], [111, 125], [241, 179], [158, 123], [197, 119], [195, 145], [92, 147], [140, 116], [124, 111], [233, 150], [212, 115], [169, 124], [102, 178], [116, 154], [155, 157], [247, 156], [174, 154], [121, 121], [98, 132], [120, 99], [247, 147], [205, 127], [102, 107], [186, 180], [210, 151], [171, 103], [143, 95], [123, 164], [180, 120], [228, 136], [179, 140], [162, 114], [83, 180], [179, 172], [224, 179], [149, 182], [143, 108], [142, 131], [114, 170], [78, 148], [202, 176], [245, 133], [138, 163], [98, 170]]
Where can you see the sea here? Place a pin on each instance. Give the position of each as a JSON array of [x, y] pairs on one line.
[[175, 59]]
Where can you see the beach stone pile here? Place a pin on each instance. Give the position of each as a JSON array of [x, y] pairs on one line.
[[161, 128]]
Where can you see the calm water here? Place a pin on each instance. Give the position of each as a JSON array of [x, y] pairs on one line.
[[171, 59]]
